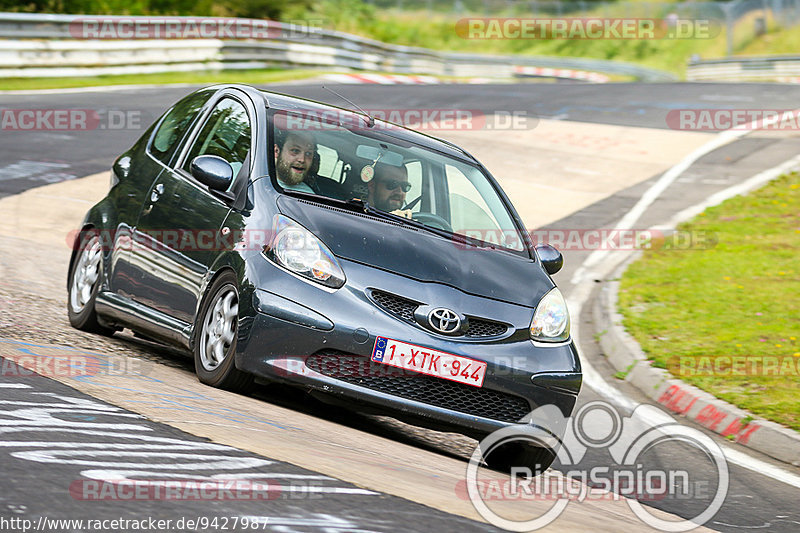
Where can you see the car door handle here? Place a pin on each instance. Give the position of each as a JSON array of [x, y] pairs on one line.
[[158, 190]]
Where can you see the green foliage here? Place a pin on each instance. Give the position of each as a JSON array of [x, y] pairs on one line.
[[200, 78], [240, 8], [436, 28], [263, 9]]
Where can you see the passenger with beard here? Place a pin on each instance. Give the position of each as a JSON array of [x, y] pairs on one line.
[[387, 191], [294, 156]]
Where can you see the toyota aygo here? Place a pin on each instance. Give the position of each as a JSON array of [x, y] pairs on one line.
[[293, 241]]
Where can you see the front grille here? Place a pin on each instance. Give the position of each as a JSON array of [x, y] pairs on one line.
[[396, 305], [485, 328], [404, 309], [419, 387]]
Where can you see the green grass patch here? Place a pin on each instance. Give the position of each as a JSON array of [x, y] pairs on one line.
[[740, 297], [250, 77], [777, 41], [622, 374], [437, 30]]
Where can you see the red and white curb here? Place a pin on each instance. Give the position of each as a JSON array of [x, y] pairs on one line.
[[547, 72], [383, 79], [519, 71], [399, 79]]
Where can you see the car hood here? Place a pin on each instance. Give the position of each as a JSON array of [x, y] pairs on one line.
[[421, 255]]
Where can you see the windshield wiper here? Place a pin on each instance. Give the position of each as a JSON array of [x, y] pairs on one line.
[[415, 223], [353, 205], [358, 205]]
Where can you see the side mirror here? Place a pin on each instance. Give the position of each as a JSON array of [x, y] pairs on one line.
[[121, 167], [552, 260], [213, 171]]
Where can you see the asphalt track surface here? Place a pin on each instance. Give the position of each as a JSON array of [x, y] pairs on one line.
[[30, 159]]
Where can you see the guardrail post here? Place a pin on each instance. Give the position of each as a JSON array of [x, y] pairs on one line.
[[728, 30]]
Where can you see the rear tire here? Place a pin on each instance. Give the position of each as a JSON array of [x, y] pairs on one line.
[[85, 278], [216, 328]]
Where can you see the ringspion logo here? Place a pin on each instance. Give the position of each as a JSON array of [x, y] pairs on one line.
[[627, 440]]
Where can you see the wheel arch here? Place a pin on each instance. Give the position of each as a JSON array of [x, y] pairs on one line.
[[76, 244], [220, 270]]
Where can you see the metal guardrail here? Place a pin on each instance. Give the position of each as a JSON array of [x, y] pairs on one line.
[[780, 68], [39, 45]]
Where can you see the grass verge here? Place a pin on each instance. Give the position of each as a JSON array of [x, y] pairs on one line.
[[691, 309], [251, 77], [437, 30]]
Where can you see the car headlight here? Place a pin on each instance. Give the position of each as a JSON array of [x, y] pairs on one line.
[[551, 319], [298, 250]]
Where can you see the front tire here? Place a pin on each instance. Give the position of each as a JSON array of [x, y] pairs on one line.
[[85, 279], [217, 326]]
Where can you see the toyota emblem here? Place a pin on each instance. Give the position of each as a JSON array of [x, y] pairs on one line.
[[444, 320]]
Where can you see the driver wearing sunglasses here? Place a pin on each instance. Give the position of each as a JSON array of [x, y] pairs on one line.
[[387, 191]]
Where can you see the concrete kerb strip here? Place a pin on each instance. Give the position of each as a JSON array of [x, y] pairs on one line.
[[625, 355]]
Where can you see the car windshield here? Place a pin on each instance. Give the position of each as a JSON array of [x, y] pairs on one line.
[[350, 161]]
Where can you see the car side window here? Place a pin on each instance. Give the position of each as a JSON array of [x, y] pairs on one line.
[[226, 134], [467, 204], [174, 125], [330, 166], [414, 170], [472, 214]]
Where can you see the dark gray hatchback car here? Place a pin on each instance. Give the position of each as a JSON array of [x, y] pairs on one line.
[[299, 242]]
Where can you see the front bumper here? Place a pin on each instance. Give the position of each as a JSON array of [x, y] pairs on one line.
[[327, 349]]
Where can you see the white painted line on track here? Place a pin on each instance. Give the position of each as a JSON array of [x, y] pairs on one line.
[[777, 473], [602, 263], [746, 186], [592, 377], [666, 179], [326, 490], [14, 386]]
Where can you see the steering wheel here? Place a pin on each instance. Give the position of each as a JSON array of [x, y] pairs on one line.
[[429, 219]]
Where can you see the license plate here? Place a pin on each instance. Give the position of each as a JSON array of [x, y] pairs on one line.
[[429, 361]]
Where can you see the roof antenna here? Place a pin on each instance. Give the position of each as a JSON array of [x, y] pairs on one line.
[[370, 122]]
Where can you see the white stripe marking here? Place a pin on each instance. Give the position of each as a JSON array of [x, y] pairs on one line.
[[775, 472], [14, 386], [580, 294], [652, 194]]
